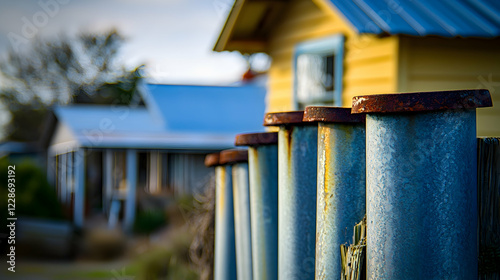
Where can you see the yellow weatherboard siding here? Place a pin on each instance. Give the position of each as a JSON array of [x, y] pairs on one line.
[[384, 64], [427, 64], [370, 62], [370, 66]]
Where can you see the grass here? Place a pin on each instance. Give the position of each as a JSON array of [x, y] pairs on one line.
[[353, 256]]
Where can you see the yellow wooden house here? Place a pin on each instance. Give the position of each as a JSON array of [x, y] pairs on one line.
[[327, 51]]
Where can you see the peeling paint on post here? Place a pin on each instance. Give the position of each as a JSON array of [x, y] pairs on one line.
[[238, 159], [263, 172], [297, 172], [225, 250], [422, 184], [341, 183]]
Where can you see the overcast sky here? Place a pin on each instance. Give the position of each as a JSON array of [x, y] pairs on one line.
[[174, 38]]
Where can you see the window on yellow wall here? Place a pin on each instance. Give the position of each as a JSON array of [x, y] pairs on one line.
[[318, 72]]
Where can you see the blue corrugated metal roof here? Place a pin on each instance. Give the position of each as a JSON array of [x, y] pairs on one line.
[[222, 109], [447, 18], [176, 117], [117, 119]]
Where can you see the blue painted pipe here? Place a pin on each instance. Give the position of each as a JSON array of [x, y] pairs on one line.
[[341, 183], [421, 184], [263, 171], [225, 250], [297, 161], [242, 221], [238, 159]]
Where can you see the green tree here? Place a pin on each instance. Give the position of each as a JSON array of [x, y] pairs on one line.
[[62, 70]]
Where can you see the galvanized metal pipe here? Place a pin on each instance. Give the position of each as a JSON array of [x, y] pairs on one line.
[[79, 191], [130, 202], [297, 161], [263, 174], [225, 250], [422, 184], [241, 197], [341, 183]]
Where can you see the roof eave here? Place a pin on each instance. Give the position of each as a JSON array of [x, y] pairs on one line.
[[227, 30]]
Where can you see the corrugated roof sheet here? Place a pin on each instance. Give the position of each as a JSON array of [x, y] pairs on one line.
[[118, 119], [447, 18], [222, 109], [176, 117]]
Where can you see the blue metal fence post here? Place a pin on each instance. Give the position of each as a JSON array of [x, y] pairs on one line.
[[263, 172], [224, 251], [238, 158], [421, 184], [341, 183], [297, 161], [79, 191], [130, 203]]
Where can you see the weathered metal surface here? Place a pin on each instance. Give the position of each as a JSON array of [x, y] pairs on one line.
[[284, 118], [297, 162], [488, 152], [79, 191], [255, 139], [331, 115], [263, 170], [212, 160], [232, 156], [225, 251], [421, 195], [242, 221], [130, 202], [422, 101], [340, 193]]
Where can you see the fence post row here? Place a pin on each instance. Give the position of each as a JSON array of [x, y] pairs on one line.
[[238, 159], [408, 160], [297, 162], [225, 250], [421, 184], [263, 172], [341, 183]]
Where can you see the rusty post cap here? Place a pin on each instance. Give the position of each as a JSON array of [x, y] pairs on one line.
[[212, 159], [422, 101], [256, 139], [284, 118], [233, 156], [331, 115]]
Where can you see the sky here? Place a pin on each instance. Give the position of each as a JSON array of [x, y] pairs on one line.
[[174, 38]]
